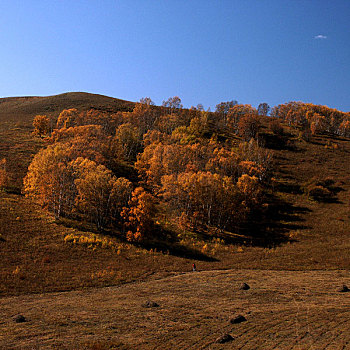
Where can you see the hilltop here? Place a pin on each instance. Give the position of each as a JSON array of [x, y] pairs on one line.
[[22, 109]]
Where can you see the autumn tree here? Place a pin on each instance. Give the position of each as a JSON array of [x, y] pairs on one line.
[[50, 180], [167, 123], [263, 109], [138, 216], [68, 117], [318, 118], [248, 126], [146, 101], [211, 199], [100, 195], [130, 140], [41, 125], [224, 107], [70, 187], [172, 104], [87, 141], [143, 116], [236, 113], [201, 125], [344, 128], [221, 111]]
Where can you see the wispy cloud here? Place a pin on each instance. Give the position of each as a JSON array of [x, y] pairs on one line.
[[320, 36]]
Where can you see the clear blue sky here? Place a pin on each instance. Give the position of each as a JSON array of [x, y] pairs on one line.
[[204, 51]]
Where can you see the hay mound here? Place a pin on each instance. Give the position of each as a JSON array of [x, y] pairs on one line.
[[150, 304], [19, 319], [238, 319], [344, 289], [244, 286], [224, 339]]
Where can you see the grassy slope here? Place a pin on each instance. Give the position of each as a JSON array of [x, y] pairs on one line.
[[35, 258]]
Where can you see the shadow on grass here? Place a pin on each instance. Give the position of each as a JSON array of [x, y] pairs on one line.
[[167, 243], [176, 249], [288, 187], [268, 229], [278, 142]]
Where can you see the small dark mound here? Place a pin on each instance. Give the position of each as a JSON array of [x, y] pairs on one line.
[[19, 319], [344, 289], [244, 286], [224, 339], [238, 319], [150, 304]]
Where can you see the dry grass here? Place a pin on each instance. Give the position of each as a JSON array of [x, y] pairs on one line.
[[284, 310], [40, 255]]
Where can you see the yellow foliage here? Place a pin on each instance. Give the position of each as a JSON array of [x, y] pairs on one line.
[[92, 240], [41, 125]]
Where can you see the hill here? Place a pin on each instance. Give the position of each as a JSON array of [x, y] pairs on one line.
[[296, 232], [22, 109]]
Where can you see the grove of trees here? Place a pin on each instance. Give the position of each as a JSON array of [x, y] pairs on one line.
[[206, 169]]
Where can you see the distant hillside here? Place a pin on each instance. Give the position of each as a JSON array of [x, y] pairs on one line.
[[24, 108]]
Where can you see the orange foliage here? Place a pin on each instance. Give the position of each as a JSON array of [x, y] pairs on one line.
[[100, 195], [139, 215], [189, 158], [320, 118], [68, 118], [248, 126], [41, 125]]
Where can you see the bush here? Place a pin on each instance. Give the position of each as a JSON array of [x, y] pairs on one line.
[[319, 189], [319, 193]]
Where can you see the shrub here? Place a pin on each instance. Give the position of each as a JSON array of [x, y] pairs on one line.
[[41, 125], [319, 189], [318, 193]]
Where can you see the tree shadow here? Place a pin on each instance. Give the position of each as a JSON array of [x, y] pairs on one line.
[[266, 229], [291, 188], [273, 227], [278, 142], [166, 241], [176, 249]]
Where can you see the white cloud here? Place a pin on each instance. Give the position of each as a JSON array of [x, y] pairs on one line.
[[320, 36]]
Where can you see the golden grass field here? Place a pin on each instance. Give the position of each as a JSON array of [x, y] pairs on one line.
[[283, 310], [89, 294]]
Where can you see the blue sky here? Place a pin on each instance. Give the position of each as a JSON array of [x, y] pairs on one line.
[[204, 51]]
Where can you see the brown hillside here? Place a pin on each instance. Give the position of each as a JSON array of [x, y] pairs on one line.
[[294, 302], [35, 256], [23, 108]]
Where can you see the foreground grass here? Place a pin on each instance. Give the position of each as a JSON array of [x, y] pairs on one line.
[[283, 310]]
